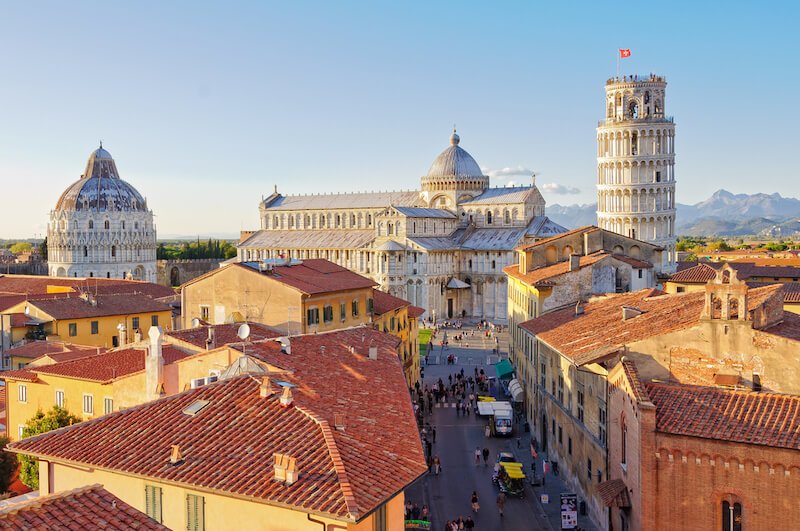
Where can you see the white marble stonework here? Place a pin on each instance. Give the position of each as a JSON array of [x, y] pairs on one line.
[[101, 227], [442, 248]]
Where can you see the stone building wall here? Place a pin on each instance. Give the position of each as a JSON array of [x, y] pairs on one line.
[[173, 273]]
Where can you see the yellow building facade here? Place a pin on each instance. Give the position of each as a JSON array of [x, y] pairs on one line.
[[315, 296]]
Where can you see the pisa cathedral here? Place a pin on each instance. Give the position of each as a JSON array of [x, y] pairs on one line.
[[442, 248]]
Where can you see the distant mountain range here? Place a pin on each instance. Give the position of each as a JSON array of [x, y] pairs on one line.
[[723, 214]]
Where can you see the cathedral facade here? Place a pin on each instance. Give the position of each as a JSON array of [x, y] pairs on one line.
[[101, 227], [443, 248]]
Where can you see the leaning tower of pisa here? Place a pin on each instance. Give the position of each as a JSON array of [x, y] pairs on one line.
[[636, 163]]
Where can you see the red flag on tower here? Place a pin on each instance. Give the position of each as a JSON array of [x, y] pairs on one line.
[[626, 52]]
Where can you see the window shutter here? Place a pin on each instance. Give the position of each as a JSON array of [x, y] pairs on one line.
[[195, 506]]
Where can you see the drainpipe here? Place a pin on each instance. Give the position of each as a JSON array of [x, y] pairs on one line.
[[320, 522]]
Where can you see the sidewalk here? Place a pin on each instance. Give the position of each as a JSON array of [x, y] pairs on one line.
[[553, 486]]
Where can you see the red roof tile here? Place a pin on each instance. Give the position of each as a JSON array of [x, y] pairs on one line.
[[383, 302], [223, 334], [699, 274], [88, 508], [313, 276], [37, 285], [415, 311], [228, 446], [104, 367], [633, 262], [601, 331], [74, 307], [544, 275], [35, 349], [614, 493], [579, 230], [738, 416]]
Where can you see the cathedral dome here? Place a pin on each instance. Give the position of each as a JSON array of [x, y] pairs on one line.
[[101, 189], [455, 162]]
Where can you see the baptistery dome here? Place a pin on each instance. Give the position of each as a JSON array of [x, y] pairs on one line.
[[101, 227], [454, 171], [101, 189]]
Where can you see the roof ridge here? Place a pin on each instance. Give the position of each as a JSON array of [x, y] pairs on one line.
[[338, 463], [38, 501]]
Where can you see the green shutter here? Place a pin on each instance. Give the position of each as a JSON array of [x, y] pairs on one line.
[[153, 502], [195, 513]]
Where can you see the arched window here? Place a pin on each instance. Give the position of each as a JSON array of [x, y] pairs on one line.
[[91, 224], [506, 217], [85, 251], [123, 225], [135, 224], [113, 251], [106, 225], [623, 441], [731, 516], [489, 217], [633, 109]]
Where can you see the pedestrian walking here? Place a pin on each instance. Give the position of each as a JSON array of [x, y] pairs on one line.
[[437, 465], [477, 456], [469, 523], [501, 503], [485, 456], [433, 434], [474, 500], [487, 431]]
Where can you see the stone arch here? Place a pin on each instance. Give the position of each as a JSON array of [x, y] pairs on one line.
[[566, 251], [635, 251], [61, 272], [551, 254]]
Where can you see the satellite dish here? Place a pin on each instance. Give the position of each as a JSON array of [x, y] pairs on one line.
[[195, 322], [244, 332]]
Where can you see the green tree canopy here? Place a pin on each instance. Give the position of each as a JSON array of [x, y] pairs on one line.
[[20, 247], [8, 464], [55, 418]]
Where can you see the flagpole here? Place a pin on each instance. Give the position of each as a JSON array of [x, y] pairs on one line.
[[618, 54]]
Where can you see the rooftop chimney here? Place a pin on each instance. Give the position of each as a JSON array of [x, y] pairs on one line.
[[578, 308], [338, 421], [285, 468], [286, 396], [137, 335], [154, 364], [175, 457], [756, 382], [210, 340], [574, 262], [123, 334], [373, 352], [286, 345], [265, 389]]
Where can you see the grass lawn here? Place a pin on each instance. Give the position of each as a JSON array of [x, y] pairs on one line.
[[424, 337]]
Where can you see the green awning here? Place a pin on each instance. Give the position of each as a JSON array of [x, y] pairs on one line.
[[504, 369]]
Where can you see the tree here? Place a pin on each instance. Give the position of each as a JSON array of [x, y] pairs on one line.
[[20, 247], [58, 417], [8, 464], [43, 249]]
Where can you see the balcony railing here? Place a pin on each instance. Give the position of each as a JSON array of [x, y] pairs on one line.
[[653, 118], [634, 78]]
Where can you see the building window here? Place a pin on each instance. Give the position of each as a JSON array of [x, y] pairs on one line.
[[153, 320], [494, 264], [544, 376], [95, 325], [88, 404], [381, 519], [355, 308], [85, 251], [204, 311], [569, 445], [560, 435], [553, 427], [312, 316], [343, 311], [639, 270], [680, 289], [327, 313], [108, 405], [152, 502], [195, 513], [22, 393], [623, 441], [589, 468], [601, 416], [113, 251], [135, 323], [106, 225], [580, 403], [370, 306], [60, 398], [73, 329], [731, 516], [392, 324], [560, 389], [488, 218], [658, 176]]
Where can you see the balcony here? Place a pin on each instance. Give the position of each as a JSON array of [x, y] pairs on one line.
[[652, 119]]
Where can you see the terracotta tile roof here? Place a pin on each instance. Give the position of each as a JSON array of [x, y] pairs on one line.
[[579, 230], [91, 507], [738, 416], [639, 391], [223, 334], [543, 276], [614, 493], [17, 319], [104, 367], [74, 307], [228, 446], [313, 276], [601, 331], [37, 285], [633, 262], [697, 274], [791, 290], [383, 302], [415, 311], [768, 262], [35, 349]]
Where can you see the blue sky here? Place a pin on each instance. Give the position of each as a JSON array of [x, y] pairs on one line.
[[206, 106]]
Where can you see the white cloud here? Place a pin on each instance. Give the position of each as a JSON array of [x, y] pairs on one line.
[[560, 189], [505, 173]]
